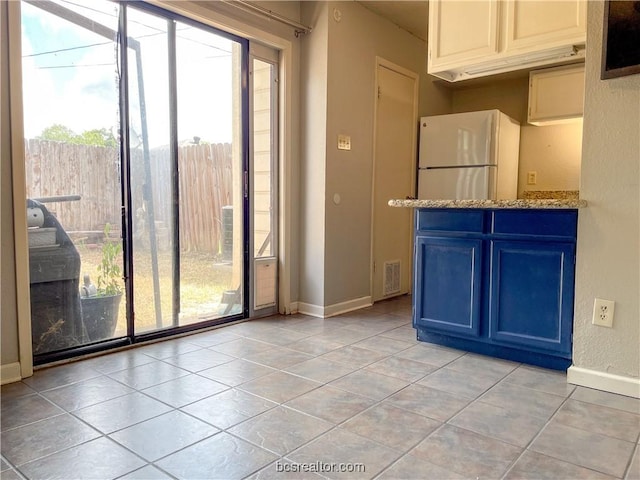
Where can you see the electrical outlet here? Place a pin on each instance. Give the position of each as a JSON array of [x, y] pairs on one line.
[[344, 142], [603, 312], [532, 178]]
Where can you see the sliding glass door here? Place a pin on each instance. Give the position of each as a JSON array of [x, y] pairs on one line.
[[156, 206], [73, 177], [211, 158], [187, 163]]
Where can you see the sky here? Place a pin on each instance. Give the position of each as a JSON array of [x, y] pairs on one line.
[[70, 75]]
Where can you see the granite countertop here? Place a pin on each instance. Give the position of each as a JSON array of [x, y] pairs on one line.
[[545, 203], [557, 194]]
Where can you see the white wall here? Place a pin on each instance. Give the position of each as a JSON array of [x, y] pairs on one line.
[[313, 67], [353, 43], [553, 151], [608, 263]]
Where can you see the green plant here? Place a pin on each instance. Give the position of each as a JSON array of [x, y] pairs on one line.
[[109, 272]]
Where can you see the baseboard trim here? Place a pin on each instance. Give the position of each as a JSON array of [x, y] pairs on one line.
[[293, 309], [604, 381], [10, 373], [335, 309]]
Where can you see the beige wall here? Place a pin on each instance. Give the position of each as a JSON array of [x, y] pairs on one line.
[[553, 151], [608, 263], [313, 105], [8, 306], [352, 44]]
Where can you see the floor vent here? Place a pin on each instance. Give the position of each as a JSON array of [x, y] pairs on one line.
[[391, 277]]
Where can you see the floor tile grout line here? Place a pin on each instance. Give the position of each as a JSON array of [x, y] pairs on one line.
[[57, 452], [131, 425], [336, 426], [577, 427], [159, 459], [39, 420], [343, 422], [535, 437], [634, 453], [362, 368], [441, 367], [636, 399], [149, 464]]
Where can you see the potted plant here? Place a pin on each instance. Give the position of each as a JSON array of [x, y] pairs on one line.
[[100, 304]]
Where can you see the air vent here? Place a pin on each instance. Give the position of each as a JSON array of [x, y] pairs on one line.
[[391, 277]]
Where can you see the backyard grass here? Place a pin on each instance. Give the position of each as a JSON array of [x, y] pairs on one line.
[[203, 280]]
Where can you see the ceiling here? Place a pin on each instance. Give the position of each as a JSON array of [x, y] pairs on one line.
[[410, 15]]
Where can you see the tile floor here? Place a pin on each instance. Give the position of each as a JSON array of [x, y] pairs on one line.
[[262, 398]]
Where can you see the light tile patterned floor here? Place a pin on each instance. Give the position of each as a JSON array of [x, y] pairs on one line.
[[261, 398]]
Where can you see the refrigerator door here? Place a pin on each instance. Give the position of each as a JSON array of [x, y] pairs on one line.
[[466, 183], [458, 139]]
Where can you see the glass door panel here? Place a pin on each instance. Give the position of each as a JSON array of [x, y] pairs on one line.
[[151, 171], [71, 109], [264, 151], [173, 163], [264, 155], [210, 158]]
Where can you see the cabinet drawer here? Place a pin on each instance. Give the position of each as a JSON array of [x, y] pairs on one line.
[[558, 223], [448, 220]]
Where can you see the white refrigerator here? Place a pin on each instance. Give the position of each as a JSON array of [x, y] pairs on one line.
[[469, 156]]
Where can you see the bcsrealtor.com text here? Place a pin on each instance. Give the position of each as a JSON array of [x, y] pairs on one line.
[[320, 467]]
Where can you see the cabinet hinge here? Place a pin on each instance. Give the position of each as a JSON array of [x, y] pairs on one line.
[[374, 267], [379, 93]]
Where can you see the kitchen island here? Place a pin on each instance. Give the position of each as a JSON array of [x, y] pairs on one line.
[[496, 277]]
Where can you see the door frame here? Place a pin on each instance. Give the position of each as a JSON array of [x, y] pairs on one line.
[[288, 127], [269, 55], [382, 62], [21, 251], [288, 121]]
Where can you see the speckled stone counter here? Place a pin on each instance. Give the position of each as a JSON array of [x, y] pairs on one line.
[[555, 194], [546, 203]]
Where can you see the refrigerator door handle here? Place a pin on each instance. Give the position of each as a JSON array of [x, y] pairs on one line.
[[456, 167]]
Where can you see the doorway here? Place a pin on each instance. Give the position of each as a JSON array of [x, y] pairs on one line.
[[394, 166], [142, 169]]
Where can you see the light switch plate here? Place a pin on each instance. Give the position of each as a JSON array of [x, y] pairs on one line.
[[344, 142]]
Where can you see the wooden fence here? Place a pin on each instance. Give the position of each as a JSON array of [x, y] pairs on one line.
[[93, 173]]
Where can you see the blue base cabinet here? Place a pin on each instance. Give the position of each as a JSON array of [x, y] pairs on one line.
[[497, 282], [451, 275]]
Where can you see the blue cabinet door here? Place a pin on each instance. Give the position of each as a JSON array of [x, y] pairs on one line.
[[447, 279], [532, 290]]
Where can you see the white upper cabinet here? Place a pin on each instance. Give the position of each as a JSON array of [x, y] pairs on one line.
[[470, 39], [556, 95], [478, 21], [548, 23]]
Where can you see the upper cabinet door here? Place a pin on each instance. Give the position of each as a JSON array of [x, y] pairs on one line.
[[532, 23], [479, 22], [556, 95]]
